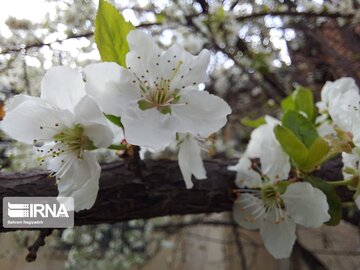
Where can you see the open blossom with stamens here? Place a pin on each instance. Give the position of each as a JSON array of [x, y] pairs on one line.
[[157, 95], [268, 203], [64, 125]]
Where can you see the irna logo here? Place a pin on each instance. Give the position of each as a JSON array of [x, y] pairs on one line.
[[38, 212], [34, 210]]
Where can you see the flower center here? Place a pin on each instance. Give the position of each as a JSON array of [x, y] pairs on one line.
[[67, 144], [159, 95], [74, 140], [68, 141], [270, 196]]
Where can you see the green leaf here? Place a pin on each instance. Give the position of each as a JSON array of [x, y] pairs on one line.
[[335, 210], [291, 144], [246, 121], [288, 104], [111, 31], [318, 152], [301, 126], [301, 100], [304, 102], [114, 119]]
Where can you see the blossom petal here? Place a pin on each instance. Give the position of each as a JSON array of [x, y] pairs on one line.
[[331, 90], [248, 211], [278, 237], [355, 128], [144, 56], [81, 181], [190, 161], [357, 202], [260, 134], [324, 126], [245, 175], [275, 163], [17, 100], [111, 86], [62, 87], [351, 164], [88, 113], [340, 99], [32, 120], [149, 63], [306, 205], [200, 113], [141, 42], [149, 128], [344, 110], [183, 68]]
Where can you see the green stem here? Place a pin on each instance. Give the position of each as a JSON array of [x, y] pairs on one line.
[[340, 183], [117, 147], [348, 204]]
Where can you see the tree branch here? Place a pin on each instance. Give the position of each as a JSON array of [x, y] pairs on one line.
[[40, 241], [73, 36], [333, 15], [42, 44], [239, 19], [159, 192]]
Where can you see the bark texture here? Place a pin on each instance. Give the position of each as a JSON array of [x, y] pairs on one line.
[[158, 190]]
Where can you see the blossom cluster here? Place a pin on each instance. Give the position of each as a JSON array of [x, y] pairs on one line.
[[276, 190], [340, 119], [156, 97], [267, 200]]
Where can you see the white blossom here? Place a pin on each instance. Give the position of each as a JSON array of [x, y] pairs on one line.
[[351, 171], [275, 163], [268, 203], [63, 124], [157, 96], [340, 100]]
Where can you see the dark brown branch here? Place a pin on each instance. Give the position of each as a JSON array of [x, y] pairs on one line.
[[159, 192], [40, 241], [334, 15], [124, 196]]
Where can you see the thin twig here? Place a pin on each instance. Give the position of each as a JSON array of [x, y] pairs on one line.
[[295, 14], [74, 36], [42, 44], [40, 241]]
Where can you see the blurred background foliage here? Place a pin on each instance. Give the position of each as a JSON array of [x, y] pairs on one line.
[[261, 50]]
